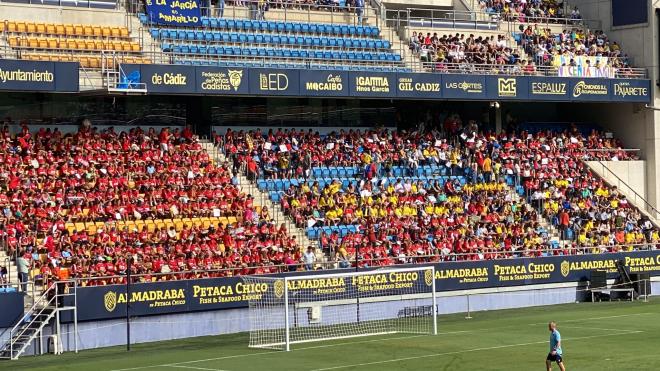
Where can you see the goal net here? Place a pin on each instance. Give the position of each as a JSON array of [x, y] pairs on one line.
[[307, 308]]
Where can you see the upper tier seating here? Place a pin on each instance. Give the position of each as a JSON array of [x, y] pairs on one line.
[[228, 42], [70, 42]]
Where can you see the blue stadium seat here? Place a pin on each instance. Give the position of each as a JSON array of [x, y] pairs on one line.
[[332, 42], [324, 42], [371, 44], [242, 38], [360, 31], [222, 23], [217, 36], [259, 39], [305, 28], [276, 40], [344, 30], [280, 27], [233, 37], [352, 30], [297, 28], [239, 25], [341, 43], [251, 38], [231, 24], [295, 53], [205, 22], [313, 28], [316, 41], [304, 54], [322, 29], [214, 22], [270, 52], [272, 26]]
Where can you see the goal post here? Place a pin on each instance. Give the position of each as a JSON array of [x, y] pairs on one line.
[[318, 307]]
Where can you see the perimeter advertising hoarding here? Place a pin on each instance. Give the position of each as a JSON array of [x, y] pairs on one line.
[[12, 304], [463, 86], [20, 75], [323, 83], [269, 81], [104, 302], [178, 79], [419, 85], [372, 84]]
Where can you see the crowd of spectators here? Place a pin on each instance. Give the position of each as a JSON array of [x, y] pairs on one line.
[[402, 219], [549, 11], [52, 180], [534, 46]]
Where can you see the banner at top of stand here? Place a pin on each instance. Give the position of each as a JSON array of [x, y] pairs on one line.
[[228, 81], [175, 12]]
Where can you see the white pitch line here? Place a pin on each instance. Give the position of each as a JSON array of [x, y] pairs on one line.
[[597, 328], [594, 318], [359, 342], [279, 352], [194, 368], [355, 365]]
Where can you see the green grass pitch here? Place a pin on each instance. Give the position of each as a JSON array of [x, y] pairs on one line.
[[595, 336]]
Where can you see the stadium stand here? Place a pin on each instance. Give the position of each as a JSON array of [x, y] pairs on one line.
[[427, 192], [282, 43], [70, 42], [79, 202]]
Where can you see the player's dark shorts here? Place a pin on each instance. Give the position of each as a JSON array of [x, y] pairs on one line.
[[554, 358]]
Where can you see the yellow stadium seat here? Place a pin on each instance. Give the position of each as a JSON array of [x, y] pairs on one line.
[[13, 42], [105, 32], [94, 62], [90, 45], [50, 29], [41, 28], [70, 227], [52, 43], [78, 30], [96, 31], [91, 229], [123, 32], [114, 32], [43, 43], [231, 220], [60, 29], [11, 26], [88, 30], [33, 43], [80, 44], [21, 27], [71, 44], [68, 30], [23, 42], [84, 62], [80, 227], [31, 27], [135, 47], [127, 47]]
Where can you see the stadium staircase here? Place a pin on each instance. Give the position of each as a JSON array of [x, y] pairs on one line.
[[29, 329], [274, 210]]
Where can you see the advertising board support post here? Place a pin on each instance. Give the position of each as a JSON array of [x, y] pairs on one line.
[[129, 264]]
